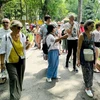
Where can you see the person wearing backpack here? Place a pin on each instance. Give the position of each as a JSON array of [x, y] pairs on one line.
[[43, 32], [43, 28], [53, 52]]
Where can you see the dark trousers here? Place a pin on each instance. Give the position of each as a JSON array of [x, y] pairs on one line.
[[72, 45], [16, 74], [87, 71], [97, 44]]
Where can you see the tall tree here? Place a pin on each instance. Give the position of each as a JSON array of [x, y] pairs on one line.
[[89, 10], [21, 11], [45, 7], [1, 4], [80, 2]]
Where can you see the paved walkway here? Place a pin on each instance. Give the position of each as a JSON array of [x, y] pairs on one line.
[[35, 87]]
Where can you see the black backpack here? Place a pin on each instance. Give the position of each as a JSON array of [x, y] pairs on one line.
[[45, 47]]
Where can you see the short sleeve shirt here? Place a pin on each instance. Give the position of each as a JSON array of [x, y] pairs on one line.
[[50, 40], [75, 30], [96, 36]]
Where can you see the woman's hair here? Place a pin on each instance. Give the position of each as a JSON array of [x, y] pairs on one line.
[[88, 23], [15, 23], [50, 28]]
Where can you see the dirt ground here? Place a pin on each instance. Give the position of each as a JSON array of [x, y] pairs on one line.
[[35, 87]]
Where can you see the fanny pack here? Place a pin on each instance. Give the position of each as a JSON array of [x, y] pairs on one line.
[[88, 54]]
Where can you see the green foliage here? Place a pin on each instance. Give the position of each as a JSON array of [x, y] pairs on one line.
[[96, 21], [91, 9], [53, 9], [30, 35], [72, 6], [24, 31], [34, 8], [58, 9]]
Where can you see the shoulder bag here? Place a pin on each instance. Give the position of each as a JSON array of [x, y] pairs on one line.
[[21, 61]]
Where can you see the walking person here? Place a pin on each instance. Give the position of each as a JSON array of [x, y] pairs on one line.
[[86, 55], [38, 37], [72, 29], [3, 31], [43, 28], [96, 33], [52, 41], [13, 49], [43, 32]]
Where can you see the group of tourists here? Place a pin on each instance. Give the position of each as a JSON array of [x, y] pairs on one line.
[[80, 42]]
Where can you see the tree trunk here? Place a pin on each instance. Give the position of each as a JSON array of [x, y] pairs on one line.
[[26, 10], [45, 8], [21, 9], [79, 18]]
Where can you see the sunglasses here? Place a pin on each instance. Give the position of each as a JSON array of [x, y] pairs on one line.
[[5, 22], [19, 28]]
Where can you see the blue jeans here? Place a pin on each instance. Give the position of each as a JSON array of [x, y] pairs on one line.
[[53, 61]]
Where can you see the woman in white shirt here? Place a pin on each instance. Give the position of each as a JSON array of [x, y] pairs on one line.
[[53, 53]]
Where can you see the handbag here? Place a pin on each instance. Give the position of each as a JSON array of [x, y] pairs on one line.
[[20, 61], [88, 54]]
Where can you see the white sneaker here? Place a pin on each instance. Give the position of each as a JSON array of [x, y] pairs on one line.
[[49, 80], [58, 77], [89, 93]]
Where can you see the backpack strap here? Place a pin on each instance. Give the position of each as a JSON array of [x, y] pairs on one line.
[[6, 46], [46, 42]]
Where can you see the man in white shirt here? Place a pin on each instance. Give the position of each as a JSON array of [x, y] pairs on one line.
[[72, 29], [96, 33], [3, 31]]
